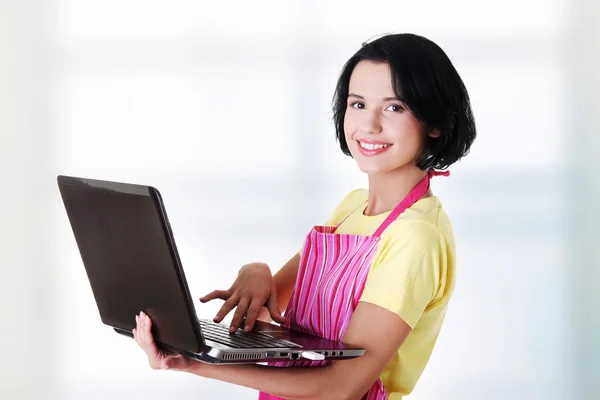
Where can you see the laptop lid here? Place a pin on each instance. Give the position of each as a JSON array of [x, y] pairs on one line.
[[129, 254]]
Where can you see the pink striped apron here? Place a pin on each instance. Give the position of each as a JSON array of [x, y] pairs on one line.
[[331, 277]]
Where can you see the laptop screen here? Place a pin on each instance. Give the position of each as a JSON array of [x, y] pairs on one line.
[[125, 248]]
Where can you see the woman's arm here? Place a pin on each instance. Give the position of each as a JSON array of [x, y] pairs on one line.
[[345, 379]]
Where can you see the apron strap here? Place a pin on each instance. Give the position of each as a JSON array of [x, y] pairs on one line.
[[353, 211], [415, 195]]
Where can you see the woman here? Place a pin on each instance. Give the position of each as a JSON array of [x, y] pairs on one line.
[[380, 273]]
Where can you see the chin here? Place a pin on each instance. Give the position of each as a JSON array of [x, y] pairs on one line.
[[374, 169]]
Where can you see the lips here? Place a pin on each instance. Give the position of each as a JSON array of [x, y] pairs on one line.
[[372, 147]]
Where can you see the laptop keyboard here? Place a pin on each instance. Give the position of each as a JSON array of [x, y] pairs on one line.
[[241, 340]]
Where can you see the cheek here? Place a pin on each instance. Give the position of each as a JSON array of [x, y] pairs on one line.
[[414, 143], [349, 126], [409, 135], [412, 137]]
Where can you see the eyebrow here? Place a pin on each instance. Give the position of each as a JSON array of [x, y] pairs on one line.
[[384, 99]]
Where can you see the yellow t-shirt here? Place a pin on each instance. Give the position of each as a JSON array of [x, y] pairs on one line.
[[412, 275]]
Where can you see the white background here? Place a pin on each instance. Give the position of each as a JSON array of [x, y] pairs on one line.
[[226, 108]]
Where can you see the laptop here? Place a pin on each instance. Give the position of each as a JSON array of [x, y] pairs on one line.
[[128, 251]]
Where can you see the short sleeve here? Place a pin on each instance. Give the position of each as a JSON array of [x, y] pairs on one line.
[[406, 273]]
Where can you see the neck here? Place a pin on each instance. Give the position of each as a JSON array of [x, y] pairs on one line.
[[387, 190]]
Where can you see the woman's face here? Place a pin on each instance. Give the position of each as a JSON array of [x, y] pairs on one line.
[[382, 134]]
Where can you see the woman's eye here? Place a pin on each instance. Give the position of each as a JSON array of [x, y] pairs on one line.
[[395, 108], [358, 105]]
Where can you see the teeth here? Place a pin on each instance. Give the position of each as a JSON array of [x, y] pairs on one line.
[[371, 146]]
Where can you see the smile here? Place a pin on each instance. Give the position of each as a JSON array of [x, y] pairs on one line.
[[372, 149], [373, 146]]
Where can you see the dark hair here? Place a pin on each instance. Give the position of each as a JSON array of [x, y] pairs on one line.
[[425, 79]]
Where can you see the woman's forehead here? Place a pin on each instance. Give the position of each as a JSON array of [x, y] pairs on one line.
[[371, 80]]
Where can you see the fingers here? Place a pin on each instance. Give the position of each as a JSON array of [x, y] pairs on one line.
[[252, 314], [142, 327], [240, 312], [143, 336], [226, 308], [216, 294], [273, 307]]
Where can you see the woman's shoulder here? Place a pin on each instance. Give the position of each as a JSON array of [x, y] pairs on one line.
[[426, 220], [356, 197]]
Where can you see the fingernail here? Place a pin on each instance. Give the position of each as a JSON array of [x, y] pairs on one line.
[[247, 328], [137, 319], [232, 329]]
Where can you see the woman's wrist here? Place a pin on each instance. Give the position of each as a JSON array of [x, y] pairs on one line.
[[254, 265], [196, 367]]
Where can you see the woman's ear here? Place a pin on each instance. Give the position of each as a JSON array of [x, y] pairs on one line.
[[434, 133]]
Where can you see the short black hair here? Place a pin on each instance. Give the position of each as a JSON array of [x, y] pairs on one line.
[[425, 79]]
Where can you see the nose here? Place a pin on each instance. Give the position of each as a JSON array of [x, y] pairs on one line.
[[371, 123]]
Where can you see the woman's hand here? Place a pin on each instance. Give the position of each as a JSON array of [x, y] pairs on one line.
[[157, 358], [253, 289]]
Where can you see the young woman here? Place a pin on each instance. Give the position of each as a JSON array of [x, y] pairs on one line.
[[380, 272]]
